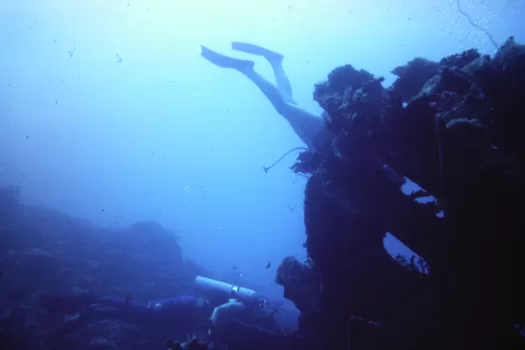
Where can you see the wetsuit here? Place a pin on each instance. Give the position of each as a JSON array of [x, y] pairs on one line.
[[185, 311], [126, 309]]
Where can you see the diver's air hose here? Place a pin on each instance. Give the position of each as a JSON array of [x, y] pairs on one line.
[[267, 168]]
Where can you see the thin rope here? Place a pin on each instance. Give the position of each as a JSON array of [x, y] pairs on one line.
[[472, 23]]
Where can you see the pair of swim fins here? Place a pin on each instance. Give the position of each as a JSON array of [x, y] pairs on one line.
[[230, 62]]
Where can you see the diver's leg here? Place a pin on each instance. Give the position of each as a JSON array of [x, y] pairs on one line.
[[66, 304], [271, 92], [276, 61], [305, 124], [246, 67], [283, 83]]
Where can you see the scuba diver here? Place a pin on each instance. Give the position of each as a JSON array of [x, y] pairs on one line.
[[309, 127], [221, 309]]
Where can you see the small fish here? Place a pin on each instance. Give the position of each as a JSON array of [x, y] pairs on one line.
[[268, 265], [235, 267]]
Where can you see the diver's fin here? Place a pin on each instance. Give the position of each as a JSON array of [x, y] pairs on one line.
[[256, 50], [224, 61]]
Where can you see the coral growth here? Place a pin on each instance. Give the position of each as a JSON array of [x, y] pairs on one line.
[[454, 128]]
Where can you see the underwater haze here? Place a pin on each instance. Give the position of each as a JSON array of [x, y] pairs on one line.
[[109, 113]]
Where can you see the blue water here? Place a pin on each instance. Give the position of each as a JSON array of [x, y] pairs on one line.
[[108, 112]]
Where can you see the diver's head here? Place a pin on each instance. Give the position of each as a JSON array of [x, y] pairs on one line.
[[326, 117]]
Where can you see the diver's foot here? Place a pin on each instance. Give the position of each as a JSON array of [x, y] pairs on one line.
[[225, 61], [271, 56]]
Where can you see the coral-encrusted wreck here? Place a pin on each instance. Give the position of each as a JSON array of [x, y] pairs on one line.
[[455, 128]]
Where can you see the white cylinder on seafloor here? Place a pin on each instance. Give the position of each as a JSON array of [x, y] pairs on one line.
[[208, 285]]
